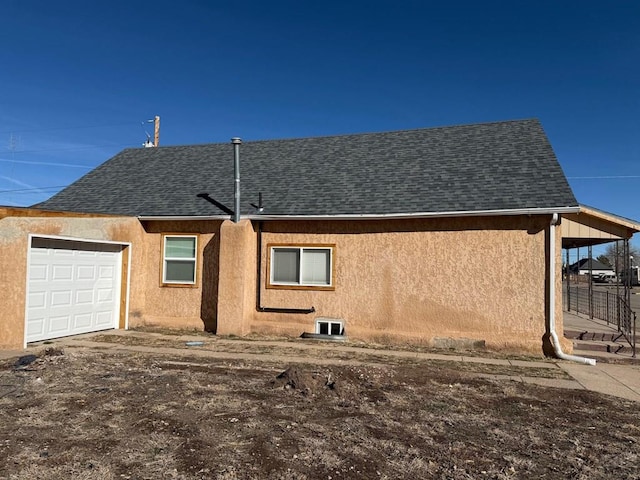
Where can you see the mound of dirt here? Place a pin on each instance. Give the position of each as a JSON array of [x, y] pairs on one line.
[[305, 382]]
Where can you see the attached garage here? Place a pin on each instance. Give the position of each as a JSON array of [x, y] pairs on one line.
[[74, 287]]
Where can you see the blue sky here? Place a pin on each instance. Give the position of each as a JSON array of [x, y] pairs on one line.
[[77, 79]]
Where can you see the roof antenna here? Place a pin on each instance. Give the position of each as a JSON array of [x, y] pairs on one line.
[[156, 133]]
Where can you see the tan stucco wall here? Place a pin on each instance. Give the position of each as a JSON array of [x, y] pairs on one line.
[[191, 307], [14, 235], [395, 281], [150, 303], [238, 270], [420, 280]]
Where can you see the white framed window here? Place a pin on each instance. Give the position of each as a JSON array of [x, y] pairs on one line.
[[326, 326], [179, 259], [308, 266]]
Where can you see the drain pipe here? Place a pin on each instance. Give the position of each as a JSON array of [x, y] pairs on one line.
[[552, 300], [236, 171], [259, 306]]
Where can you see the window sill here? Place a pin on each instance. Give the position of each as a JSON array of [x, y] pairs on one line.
[[302, 287], [321, 336], [179, 285]]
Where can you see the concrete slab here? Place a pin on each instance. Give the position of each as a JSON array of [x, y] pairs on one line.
[[629, 375], [532, 364], [583, 323], [602, 380], [489, 361]]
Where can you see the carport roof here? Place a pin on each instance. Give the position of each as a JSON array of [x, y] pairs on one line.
[[591, 226]]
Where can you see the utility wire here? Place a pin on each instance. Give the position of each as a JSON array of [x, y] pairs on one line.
[[604, 177], [80, 127], [52, 164], [26, 190], [88, 147]]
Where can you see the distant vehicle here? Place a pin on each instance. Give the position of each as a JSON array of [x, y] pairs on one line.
[[633, 276], [609, 278], [605, 278]]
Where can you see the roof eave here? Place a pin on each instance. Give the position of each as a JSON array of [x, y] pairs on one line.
[[392, 216], [375, 216], [169, 218], [610, 217]]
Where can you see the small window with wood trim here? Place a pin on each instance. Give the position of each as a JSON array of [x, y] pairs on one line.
[[301, 266], [179, 259]]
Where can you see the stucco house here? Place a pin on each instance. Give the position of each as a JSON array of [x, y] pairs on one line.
[[440, 236]]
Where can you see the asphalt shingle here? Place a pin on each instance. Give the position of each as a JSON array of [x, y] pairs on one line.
[[467, 168]]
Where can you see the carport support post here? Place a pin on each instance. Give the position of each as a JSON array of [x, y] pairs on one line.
[[590, 285], [568, 274]]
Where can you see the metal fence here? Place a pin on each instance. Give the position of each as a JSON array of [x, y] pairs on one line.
[[603, 305]]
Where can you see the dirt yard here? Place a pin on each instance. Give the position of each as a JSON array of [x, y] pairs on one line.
[[85, 413]]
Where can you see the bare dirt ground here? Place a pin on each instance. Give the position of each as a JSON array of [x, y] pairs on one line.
[[83, 413]]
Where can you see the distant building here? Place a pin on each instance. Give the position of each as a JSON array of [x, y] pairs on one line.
[[586, 266]]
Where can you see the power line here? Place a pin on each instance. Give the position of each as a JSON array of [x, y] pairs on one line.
[[52, 164], [88, 147], [604, 177], [80, 127], [27, 190]]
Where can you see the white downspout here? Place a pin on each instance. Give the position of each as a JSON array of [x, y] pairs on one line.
[[552, 300]]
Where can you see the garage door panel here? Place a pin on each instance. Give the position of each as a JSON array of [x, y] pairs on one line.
[[61, 298], [36, 326], [83, 321], [84, 297], [105, 295], [61, 272], [85, 272], [37, 299], [103, 319], [59, 323], [73, 287], [106, 272], [39, 272]]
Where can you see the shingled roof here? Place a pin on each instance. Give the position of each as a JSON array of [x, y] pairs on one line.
[[504, 166]]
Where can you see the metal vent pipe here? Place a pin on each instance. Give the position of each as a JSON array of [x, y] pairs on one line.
[[236, 171]]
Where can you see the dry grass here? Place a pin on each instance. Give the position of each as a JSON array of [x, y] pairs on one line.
[[349, 354], [101, 414]]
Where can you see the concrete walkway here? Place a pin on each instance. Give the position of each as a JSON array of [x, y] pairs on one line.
[[615, 374], [611, 379]]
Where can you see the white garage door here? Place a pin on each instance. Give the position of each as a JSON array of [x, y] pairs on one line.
[[73, 287]]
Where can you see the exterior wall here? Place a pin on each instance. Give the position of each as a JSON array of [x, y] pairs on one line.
[[422, 280], [150, 303], [14, 243], [237, 278], [416, 281], [191, 307]]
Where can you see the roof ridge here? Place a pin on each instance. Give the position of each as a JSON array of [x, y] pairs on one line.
[[343, 135]]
